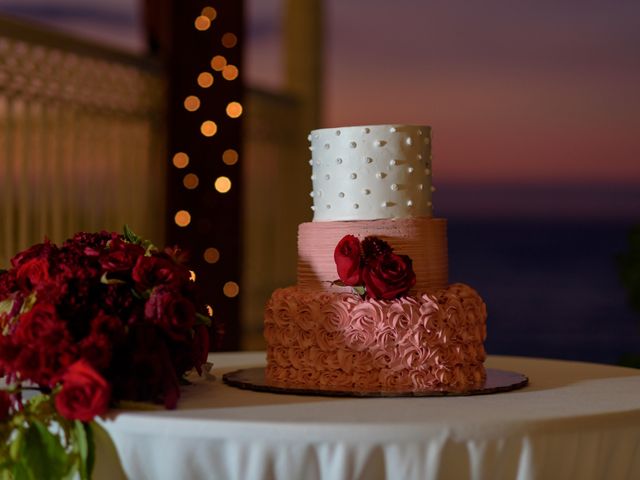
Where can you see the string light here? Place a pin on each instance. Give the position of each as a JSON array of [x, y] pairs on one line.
[[205, 79], [222, 184], [229, 40], [230, 72], [208, 128], [231, 289], [230, 157], [192, 275], [211, 255], [209, 12], [192, 103], [190, 181], [218, 62], [182, 218], [180, 160], [234, 109], [202, 23]]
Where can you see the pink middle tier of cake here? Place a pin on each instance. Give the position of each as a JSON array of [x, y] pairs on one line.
[[422, 239], [339, 341]]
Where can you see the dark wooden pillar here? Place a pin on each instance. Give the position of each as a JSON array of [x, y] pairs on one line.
[[200, 44]]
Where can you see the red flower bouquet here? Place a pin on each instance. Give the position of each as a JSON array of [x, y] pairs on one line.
[[102, 318], [372, 269]]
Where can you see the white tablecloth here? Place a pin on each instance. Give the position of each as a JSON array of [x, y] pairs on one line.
[[574, 421]]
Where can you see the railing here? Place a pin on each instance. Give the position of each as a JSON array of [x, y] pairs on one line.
[[81, 139], [274, 200]]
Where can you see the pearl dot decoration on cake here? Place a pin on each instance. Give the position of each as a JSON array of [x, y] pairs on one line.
[[380, 163]]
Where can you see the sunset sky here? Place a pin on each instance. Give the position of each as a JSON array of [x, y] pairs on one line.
[[541, 92]]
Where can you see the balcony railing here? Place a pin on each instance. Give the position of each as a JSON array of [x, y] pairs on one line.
[[81, 139]]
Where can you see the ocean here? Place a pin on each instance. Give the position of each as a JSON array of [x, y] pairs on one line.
[[551, 287]]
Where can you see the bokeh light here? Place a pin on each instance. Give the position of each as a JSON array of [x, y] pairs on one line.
[[180, 160], [222, 184]]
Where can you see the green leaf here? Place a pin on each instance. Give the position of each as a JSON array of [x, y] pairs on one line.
[[44, 454], [202, 320], [82, 439], [6, 305], [17, 446], [360, 290], [28, 303], [21, 471], [109, 281], [130, 236]]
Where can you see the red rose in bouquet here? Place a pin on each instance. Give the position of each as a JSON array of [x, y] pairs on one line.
[[89, 316], [372, 268], [84, 394]]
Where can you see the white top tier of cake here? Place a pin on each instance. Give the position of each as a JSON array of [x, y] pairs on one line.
[[371, 172]]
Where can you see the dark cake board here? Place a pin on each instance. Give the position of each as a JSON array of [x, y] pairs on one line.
[[254, 379]]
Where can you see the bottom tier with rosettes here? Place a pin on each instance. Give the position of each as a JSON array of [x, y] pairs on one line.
[[339, 341]]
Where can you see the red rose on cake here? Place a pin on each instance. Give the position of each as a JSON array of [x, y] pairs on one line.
[[372, 267], [388, 276], [348, 258]]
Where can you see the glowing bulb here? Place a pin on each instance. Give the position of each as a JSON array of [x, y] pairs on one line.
[[222, 184], [234, 109], [192, 103], [209, 12], [229, 40], [180, 160], [231, 289], [218, 62], [190, 181], [230, 157], [182, 218], [205, 79], [208, 128], [192, 275], [211, 255], [230, 72], [202, 23]]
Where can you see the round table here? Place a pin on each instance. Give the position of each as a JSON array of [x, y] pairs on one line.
[[574, 420]]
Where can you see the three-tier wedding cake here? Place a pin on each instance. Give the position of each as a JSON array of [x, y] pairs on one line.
[[372, 309]]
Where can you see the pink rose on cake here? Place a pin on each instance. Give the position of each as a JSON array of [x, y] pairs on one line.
[[372, 269]]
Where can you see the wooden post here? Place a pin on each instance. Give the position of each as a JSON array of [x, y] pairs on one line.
[[199, 42]]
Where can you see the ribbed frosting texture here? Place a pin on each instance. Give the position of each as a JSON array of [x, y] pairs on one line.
[[338, 341], [371, 172], [423, 239]]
